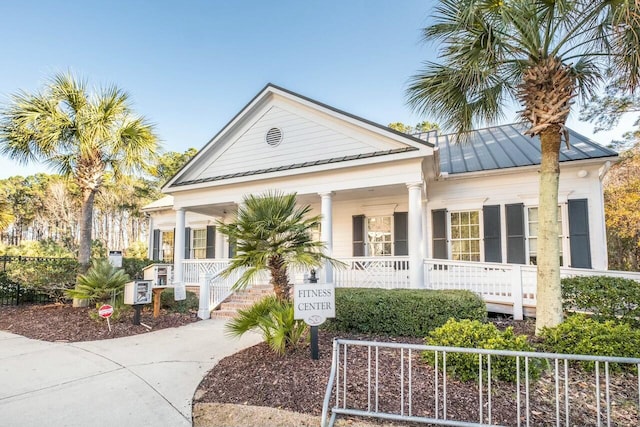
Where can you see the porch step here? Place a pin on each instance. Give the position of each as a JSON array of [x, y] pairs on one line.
[[241, 300]]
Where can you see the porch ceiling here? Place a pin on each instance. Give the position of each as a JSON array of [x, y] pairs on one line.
[[222, 209]]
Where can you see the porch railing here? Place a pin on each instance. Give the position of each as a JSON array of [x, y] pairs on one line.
[[194, 269], [365, 374], [373, 272]]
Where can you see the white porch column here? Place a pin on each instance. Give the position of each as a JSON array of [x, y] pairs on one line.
[[150, 239], [178, 247], [220, 245], [416, 267], [326, 232]]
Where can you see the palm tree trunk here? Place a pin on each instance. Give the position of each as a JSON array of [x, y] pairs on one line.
[[84, 253], [280, 278], [549, 296]]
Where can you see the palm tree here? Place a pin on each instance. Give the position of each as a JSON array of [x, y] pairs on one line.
[[79, 134], [272, 233], [542, 54]]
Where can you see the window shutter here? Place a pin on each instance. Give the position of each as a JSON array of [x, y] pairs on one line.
[[187, 243], [439, 233], [400, 234], [358, 235], [491, 223], [515, 234], [579, 233], [211, 242], [155, 254], [232, 248]]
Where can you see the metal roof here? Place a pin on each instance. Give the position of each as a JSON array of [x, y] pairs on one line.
[[506, 146]]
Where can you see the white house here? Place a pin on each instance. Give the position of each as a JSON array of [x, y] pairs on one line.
[[400, 210]]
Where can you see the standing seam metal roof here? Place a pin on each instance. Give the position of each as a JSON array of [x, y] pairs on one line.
[[506, 146]]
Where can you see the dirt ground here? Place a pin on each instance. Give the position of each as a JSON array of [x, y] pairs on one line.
[[63, 323]]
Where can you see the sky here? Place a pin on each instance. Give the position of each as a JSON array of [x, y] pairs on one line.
[[190, 66]]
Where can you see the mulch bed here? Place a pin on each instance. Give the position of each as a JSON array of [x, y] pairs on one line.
[[62, 322], [257, 376]]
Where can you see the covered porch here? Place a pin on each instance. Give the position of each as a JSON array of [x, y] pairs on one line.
[[506, 288]]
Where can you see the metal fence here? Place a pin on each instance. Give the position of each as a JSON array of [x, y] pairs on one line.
[[388, 381], [12, 293]]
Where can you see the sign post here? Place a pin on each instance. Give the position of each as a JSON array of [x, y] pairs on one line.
[[105, 311], [314, 303]]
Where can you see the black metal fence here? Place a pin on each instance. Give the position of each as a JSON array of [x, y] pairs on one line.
[[12, 293]]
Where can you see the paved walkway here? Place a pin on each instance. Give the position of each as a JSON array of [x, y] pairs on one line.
[[144, 380]]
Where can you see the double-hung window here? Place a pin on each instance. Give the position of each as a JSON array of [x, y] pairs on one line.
[[199, 243], [465, 235], [379, 237], [532, 230]]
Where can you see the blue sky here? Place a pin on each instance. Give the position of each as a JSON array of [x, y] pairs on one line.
[[190, 66]]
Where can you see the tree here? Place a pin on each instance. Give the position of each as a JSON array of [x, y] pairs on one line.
[[542, 54], [82, 135], [423, 126], [622, 211], [272, 234]]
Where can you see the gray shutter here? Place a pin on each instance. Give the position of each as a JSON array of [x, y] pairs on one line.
[[358, 235], [439, 233], [515, 234], [492, 226], [211, 242], [232, 247], [400, 234], [579, 233], [187, 243], [155, 254]]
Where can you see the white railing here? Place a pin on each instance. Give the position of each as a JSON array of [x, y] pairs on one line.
[[373, 272], [193, 269]]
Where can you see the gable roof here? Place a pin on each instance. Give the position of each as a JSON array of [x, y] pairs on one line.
[[506, 146], [225, 157]]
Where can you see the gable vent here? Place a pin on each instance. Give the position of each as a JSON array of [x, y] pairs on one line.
[[273, 136]]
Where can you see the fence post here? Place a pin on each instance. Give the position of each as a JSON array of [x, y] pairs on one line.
[[18, 294], [516, 292], [204, 307]]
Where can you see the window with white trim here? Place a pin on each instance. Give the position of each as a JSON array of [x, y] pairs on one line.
[[199, 243], [379, 235], [465, 235], [532, 234], [167, 246]]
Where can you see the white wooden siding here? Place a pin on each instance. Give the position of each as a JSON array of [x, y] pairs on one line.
[[521, 186], [306, 138]]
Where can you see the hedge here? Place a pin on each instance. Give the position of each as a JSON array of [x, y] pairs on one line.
[[607, 298], [402, 312]]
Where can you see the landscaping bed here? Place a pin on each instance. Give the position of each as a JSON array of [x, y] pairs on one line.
[[257, 377], [62, 322]]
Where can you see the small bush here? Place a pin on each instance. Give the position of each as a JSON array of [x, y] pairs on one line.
[[580, 334], [168, 302], [402, 312], [608, 298], [274, 319], [475, 334], [45, 275], [134, 266], [101, 283]]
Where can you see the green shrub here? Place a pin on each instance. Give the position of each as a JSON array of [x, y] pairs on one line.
[[134, 266], [274, 319], [45, 275], [475, 334], [101, 283], [168, 302], [580, 334], [608, 298], [402, 312]]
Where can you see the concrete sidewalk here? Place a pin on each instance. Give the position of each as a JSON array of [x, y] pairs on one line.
[[143, 380]]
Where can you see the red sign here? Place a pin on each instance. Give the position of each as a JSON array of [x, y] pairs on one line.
[[105, 311]]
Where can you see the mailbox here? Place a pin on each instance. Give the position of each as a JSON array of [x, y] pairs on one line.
[[159, 274], [137, 292]]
